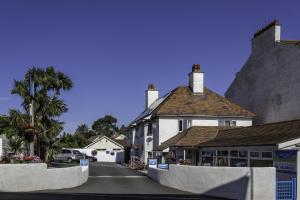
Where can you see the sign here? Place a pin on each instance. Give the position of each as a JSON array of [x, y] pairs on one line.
[[152, 163], [84, 162], [285, 160], [163, 166]]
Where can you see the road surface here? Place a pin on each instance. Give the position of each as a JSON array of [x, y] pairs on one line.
[[111, 181]]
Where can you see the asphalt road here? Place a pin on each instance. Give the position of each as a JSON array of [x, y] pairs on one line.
[[111, 181]]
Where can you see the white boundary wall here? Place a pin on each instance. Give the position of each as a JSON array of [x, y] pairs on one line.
[[36, 176], [228, 182]]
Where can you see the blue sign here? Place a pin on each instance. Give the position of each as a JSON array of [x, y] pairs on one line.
[[153, 163], [285, 160], [163, 166], [84, 162]]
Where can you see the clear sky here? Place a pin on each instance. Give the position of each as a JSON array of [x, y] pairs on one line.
[[113, 49]]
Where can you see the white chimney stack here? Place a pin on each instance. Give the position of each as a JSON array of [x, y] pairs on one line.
[[152, 95], [196, 80]]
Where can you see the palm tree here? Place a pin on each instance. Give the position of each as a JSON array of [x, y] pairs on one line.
[[43, 87]]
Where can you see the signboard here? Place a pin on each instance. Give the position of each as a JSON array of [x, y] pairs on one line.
[[285, 160], [152, 163], [163, 166], [84, 162]]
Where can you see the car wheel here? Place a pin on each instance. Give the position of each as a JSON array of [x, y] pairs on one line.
[[69, 160]]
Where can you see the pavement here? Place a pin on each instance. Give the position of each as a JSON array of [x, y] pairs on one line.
[[111, 181]]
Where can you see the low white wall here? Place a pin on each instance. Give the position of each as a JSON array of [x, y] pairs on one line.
[[228, 182], [33, 177]]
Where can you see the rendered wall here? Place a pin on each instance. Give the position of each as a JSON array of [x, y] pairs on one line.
[[229, 182], [268, 83], [33, 177]]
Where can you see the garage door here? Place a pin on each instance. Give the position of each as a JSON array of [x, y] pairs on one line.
[[110, 156]]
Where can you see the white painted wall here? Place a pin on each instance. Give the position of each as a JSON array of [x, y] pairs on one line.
[[242, 183], [33, 177], [168, 126], [110, 156]]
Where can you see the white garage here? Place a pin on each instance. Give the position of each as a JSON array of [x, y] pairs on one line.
[[108, 150]]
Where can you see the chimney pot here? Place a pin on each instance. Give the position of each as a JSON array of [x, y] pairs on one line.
[[196, 68], [151, 87]]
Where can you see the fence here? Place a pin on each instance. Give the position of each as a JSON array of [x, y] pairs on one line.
[[286, 190]]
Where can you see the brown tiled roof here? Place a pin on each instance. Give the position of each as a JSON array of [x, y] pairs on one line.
[[182, 101], [266, 134], [191, 137]]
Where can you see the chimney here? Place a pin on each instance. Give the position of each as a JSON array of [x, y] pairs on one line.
[[151, 95], [196, 79], [266, 37]]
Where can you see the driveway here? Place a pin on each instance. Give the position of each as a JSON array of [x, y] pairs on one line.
[[111, 181]]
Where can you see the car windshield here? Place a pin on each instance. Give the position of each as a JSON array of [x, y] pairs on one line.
[[76, 152]]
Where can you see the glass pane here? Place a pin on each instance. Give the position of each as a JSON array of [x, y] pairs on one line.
[[207, 161], [254, 154], [261, 163], [227, 123], [222, 162], [180, 125], [234, 153], [238, 162], [221, 123], [266, 154], [233, 123], [243, 154], [222, 153]]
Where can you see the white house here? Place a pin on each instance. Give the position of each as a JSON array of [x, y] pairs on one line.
[[181, 108], [108, 150]]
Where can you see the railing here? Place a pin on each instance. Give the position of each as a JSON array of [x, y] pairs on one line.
[[286, 190]]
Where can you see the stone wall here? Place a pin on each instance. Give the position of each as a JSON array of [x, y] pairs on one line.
[[229, 182], [33, 177]]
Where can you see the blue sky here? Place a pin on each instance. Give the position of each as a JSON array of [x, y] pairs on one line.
[[113, 49]]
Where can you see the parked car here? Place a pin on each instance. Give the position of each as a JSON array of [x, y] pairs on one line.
[[69, 155]]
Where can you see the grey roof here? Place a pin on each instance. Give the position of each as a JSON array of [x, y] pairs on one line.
[[151, 108]]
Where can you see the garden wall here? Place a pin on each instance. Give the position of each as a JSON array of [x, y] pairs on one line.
[[228, 182], [36, 176]]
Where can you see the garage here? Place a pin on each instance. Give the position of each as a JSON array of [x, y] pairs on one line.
[[108, 150]]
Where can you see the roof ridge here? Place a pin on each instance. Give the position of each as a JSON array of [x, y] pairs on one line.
[[266, 27]]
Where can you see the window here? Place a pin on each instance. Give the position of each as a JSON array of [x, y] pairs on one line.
[[149, 132], [180, 125], [254, 154], [184, 124], [267, 154], [227, 123], [65, 151], [76, 152]]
